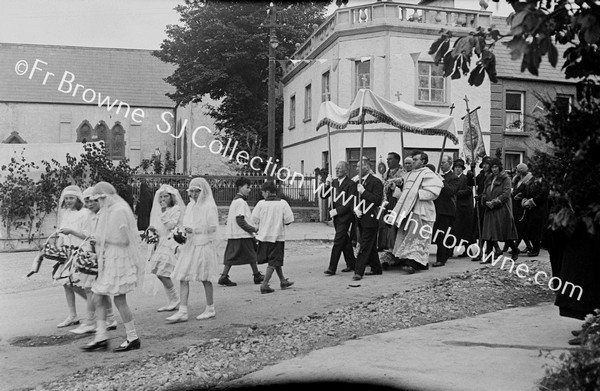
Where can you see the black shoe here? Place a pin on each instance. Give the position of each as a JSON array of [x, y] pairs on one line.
[[515, 255], [128, 345], [329, 272], [285, 284], [225, 281], [357, 277], [385, 265], [575, 341], [533, 253], [372, 273], [348, 269], [576, 333], [258, 278], [266, 289], [100, 345], [438, 264], [410, 269], [476, 259]]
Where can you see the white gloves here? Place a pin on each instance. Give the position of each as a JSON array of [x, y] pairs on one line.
[[360, 188], [329, 179], [333, 213], [357, 211]]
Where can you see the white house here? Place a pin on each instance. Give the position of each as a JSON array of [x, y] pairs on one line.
[[382, 46]]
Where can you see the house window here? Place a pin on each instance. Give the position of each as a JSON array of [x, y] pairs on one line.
[[514, 111], [362, 71], [292, 112], [563, 103], [432, 87], [325, 94], [307, 102], [511, 159], [352, 156]]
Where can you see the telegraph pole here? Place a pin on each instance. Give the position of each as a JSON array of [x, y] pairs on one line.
[[273, 43]]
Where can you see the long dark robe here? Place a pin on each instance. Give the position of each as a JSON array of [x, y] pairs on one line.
[[463, 223], [517, 195], [144, 206], [536, 218], [576, 260]]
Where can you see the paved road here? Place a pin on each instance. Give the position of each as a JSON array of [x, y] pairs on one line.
[[36, 308], [498, 351]]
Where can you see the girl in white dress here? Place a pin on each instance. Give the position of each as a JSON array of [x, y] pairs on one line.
[[167, 213], [86, 280], [120, 265], [71, 216], [198, 256]]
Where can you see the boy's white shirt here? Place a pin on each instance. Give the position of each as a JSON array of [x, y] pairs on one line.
[[271, 218], [239, 207]]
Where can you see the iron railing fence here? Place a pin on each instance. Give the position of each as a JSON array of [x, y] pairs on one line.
[[298, 193]]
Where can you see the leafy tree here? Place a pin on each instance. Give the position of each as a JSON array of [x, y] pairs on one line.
[[221, 50], [536, 27]]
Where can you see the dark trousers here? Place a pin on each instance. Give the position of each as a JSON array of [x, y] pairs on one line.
[[368, 251], [342, 244], [443, 223]]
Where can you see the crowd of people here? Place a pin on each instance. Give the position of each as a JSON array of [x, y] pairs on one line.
[[393, 217], [476, 211], [102, 224]]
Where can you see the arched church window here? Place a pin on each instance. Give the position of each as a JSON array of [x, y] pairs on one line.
[[101, 131], [117, 149], [84, 132]]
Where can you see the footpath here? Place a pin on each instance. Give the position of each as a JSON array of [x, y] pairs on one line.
[[494, 351], [504, 350]]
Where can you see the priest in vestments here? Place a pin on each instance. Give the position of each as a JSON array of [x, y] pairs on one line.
[[414, 214]]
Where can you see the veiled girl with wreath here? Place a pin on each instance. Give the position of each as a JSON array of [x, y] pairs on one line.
[[166, 214], [197, 258]]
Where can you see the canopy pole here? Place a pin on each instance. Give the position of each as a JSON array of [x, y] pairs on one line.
[[362, 140], [329, 158], [444, 143], [402, 146]]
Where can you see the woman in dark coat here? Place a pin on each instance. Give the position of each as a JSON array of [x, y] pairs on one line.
[[478, 216], [144, 206], [498, 223], [535, 207]]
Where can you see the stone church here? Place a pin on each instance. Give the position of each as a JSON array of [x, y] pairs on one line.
[[60, 95]]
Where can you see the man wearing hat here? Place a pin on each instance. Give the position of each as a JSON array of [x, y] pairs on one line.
[[463, 223]]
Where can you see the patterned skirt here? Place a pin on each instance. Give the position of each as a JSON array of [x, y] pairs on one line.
[[412, 242]]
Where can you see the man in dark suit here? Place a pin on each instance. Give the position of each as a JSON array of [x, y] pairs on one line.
[[343, 195], [445, 212], [370, 190], [463, 223]]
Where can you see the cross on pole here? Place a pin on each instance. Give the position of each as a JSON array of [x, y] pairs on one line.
[[398, 94]]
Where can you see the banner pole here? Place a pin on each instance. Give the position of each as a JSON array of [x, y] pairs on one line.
[[480, 240]]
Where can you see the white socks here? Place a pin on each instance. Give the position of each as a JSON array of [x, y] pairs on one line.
[[130, 330], [172, 295], [101, 334]]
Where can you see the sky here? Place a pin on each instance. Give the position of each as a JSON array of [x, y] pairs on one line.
[[133, 24]]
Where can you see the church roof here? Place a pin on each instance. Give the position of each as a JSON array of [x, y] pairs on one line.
[[131, 76]]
